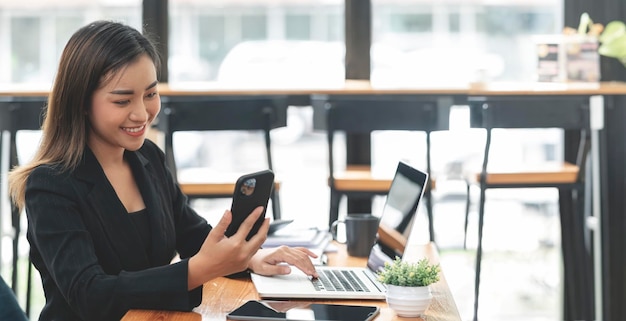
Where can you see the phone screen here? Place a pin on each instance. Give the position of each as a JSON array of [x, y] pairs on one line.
[[251, 191], [290, 310]]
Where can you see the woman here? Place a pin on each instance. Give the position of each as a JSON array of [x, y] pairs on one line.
[[105, 217]]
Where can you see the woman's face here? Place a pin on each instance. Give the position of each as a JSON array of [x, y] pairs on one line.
[[123, 108]]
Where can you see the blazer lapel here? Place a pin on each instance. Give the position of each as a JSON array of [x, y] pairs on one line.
[[161, 224], [112, 216]]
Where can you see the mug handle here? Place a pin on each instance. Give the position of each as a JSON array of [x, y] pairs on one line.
[[333, 230]]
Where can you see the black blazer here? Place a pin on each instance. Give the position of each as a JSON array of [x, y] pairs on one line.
[[92, 261]]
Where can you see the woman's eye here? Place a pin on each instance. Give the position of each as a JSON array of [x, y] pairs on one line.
[[152, 95], [122, 102]]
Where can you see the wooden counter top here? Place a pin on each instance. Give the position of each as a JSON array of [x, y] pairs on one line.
[[355, 87]]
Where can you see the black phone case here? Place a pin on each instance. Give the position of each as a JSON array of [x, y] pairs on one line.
[[251, 191]]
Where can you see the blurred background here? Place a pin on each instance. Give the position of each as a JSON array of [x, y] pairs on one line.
[[300, 43]]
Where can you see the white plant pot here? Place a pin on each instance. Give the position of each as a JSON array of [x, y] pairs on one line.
[[409, 301]]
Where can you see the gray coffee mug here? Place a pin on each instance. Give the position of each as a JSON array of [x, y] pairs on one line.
[[361, 232]]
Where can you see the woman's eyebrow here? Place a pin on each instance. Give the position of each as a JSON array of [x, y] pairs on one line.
[[130, 91], [152, 85]]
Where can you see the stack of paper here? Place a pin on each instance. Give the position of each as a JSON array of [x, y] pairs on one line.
[[310, 238]]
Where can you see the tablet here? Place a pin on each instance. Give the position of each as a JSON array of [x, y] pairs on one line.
[[301, 311]]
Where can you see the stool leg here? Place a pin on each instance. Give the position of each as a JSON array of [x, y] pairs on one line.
[[429, 212], [335, 199], [275, 206], [15, 216], [577, 261], [428, 192], [467, 208], [29, 288], [479, 250]]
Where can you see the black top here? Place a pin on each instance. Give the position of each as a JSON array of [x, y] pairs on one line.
[[142, 224]]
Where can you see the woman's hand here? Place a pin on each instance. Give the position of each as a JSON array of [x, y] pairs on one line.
[[270, 261], [221, 255]]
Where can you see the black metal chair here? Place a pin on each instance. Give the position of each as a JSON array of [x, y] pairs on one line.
[[568, 177], [365, 114], [258, 114], [25, 113]]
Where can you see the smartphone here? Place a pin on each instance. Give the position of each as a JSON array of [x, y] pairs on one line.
[[251, 191], [301, 311]]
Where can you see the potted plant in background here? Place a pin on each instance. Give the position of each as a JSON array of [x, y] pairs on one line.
[[612, 37], [408, 285]]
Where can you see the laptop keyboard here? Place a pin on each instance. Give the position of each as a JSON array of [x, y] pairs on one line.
[[338, 280]]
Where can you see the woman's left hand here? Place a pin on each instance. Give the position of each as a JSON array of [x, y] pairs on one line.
[[270, 261]]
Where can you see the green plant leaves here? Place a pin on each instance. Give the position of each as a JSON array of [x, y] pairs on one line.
[[585, 22], [403, 273], [613, 40], [613, 31]]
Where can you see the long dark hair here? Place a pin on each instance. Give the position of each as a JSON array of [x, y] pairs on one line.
[[91, 57]]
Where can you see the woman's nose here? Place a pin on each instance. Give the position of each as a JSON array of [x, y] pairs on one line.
[[139, 113]]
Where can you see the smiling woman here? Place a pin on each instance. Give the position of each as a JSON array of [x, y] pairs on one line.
[[105, 216], [122, 109], [127, 102]]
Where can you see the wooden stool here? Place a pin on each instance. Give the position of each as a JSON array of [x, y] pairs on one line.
[[567, 177]]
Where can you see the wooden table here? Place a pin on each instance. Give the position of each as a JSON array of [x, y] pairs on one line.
[[223, 295], [354, 87]]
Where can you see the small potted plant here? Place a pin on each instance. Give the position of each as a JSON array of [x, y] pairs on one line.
[[408, 285], [612, 37]]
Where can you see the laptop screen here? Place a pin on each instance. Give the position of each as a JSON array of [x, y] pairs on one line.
[[407, 188]]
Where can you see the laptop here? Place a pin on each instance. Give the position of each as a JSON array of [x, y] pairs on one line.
[[405, 193]]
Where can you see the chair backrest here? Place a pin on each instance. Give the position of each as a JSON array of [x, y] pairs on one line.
[[370, 115], [567, 113], [249, 113], [363, 114], [23, 113], [26, 113], [538, 112]]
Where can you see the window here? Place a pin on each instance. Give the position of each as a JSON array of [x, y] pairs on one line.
[[253, 27], [298, 26], [260, 43], [454, 22], [410, 23], [25, 60], [34, 33], [212, 45], [453, 42]]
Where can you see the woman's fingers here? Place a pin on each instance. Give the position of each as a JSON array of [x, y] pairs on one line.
[[217, 233]]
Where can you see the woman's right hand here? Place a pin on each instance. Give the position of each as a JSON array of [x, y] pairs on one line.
[[221, 255]]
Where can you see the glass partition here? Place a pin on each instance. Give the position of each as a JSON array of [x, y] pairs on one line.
[[458, 42], [256, 43], [33, 34]]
